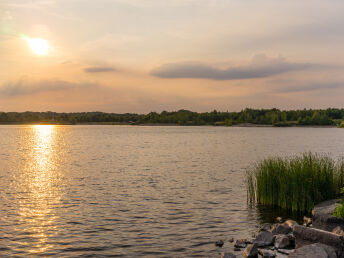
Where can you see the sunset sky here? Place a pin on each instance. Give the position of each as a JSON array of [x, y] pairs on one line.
[[153, 55]]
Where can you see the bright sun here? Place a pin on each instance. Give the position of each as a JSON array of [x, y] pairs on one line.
[[38, 46]]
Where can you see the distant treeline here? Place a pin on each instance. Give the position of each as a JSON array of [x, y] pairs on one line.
[[275, 117]]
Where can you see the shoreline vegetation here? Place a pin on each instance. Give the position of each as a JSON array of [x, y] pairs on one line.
[[306, 183], [331, 117], [295, 183]]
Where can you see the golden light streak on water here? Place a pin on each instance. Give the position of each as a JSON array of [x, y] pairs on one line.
[[40, 179]]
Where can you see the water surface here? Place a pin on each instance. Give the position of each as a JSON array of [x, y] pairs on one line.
[[128, 191]]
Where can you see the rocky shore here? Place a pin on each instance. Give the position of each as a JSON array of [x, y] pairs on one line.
[[321, 236]]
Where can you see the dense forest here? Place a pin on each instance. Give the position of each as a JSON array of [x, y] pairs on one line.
[[274, 117]]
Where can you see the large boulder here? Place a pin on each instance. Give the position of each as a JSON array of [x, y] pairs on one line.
[[264, 238], [323, 218], [316, 250], [306, 236], [251, 251]]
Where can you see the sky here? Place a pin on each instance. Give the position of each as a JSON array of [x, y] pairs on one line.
[[153, 55]]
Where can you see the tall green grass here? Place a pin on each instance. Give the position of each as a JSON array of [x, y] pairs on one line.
[[295, 183]]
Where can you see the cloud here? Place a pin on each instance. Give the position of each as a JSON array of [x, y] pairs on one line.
[[99, 69], [27, 87], [261, 66], [311, 87]]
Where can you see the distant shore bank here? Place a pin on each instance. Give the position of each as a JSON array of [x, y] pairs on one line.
[[174, 124]]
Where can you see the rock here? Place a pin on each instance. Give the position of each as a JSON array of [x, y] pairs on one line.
[[264, 238], [265, 227], [282, 242], [307, 221], [338, 231], [236, 249], [279, 255], [279, 228], [306, 236], [291, 239], [219, 243], [316, 250], [327, 222], [231, 240], [228, 255], [240, 243], [322, 216], [291, 223], [266, 253], [326, 207], [251, 251], [286, 251], [279, 219]]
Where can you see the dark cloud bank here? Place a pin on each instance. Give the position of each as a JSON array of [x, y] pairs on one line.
[[260, 67]]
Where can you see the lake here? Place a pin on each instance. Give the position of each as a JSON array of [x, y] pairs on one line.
[[128, 191]]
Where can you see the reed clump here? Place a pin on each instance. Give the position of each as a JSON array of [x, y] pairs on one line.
[[295, 183]]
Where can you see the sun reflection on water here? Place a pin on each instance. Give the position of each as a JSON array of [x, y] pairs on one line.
[[40, 183]]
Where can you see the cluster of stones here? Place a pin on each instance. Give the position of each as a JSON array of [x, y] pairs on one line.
[[322, 237]]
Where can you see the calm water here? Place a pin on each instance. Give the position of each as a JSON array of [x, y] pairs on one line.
[[132, 191]]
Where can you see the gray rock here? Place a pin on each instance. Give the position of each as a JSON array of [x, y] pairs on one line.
[[291, 239], [314, 251], [327, 222], [279, 255], [251, 251], [219, 243], [286, 251], [307, 236], [282, 242], [228, 255], [322, 216], [279, 228], [266, 253], [240, 243], [265, 227], [264, 238], [326, 207]]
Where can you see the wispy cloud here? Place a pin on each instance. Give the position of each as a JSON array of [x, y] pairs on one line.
[[27, 87], [261, 66], [99, 69], [311, 87]]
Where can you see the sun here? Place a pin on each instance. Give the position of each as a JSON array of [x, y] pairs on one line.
[[38, 46]]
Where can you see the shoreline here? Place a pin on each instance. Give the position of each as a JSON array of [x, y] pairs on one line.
[[172, 124], [287, 238]]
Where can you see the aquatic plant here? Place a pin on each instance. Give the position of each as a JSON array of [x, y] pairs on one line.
[[295, 183], [339, 212]]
